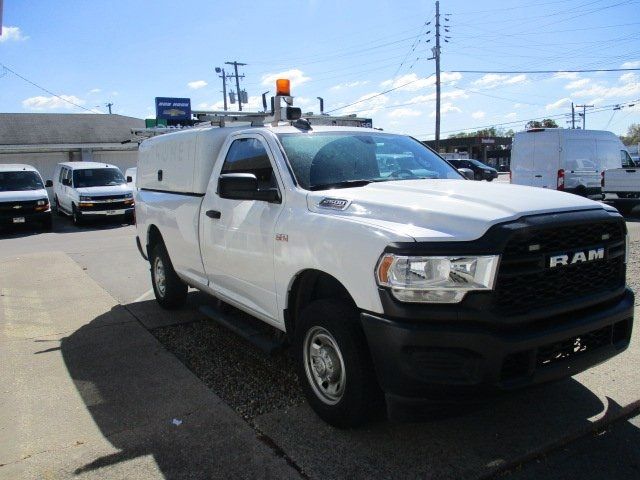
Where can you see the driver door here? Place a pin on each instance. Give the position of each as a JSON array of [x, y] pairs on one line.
[[238, 236]]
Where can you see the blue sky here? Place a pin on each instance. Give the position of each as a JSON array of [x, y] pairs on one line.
[[127, 52]]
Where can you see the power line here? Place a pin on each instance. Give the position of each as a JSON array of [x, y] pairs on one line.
[[549, 71], [379, 94], [46, 90], [603, 108]]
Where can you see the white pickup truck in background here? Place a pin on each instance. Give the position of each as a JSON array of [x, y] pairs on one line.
[[385, 269], [621, 186]]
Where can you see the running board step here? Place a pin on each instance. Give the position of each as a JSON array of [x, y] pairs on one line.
[[247, 328]]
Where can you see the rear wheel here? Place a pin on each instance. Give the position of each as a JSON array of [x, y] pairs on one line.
[[57, 206], [334, 364], [170, 291]]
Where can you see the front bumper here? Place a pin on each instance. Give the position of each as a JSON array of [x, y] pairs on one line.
[[29, 218], [107, 213], [447, 359]]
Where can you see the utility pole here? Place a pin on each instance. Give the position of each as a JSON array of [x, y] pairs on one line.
[[436, 54], [238, 77], [584, 114], [109, 105], [573, 116], [224, 86]]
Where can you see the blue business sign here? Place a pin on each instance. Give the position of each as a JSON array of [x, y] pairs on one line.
[[173, 108]]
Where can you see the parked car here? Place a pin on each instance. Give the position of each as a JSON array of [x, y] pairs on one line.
[[85, 190], [421, 287], [480, 170], [23, 197], [621, 186], [564, 159]]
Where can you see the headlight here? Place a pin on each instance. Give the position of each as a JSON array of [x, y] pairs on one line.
[[84, 198], [436, 279], [128, 195], [42, 202]]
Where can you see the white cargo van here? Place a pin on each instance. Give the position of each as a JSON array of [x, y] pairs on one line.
[[564, 159]]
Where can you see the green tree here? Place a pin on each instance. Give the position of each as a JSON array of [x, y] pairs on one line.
[[633, 135], [545, 123]]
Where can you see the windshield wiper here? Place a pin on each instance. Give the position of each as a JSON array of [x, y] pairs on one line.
[[342, 184]]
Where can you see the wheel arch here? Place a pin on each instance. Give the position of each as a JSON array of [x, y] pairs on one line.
[[305, 287], [153, 237]]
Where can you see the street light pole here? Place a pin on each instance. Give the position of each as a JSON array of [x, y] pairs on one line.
[[224, 86]]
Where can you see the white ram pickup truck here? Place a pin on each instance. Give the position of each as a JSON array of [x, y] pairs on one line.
[[621, 186], [393, 277]]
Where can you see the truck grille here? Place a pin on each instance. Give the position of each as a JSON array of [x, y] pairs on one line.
[[525, 281], [7, 209]]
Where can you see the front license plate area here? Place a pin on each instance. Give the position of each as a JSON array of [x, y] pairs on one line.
[[18, 219]]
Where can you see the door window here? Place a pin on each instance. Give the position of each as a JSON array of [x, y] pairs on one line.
[[626, 159], [249, 155], [62, 174]]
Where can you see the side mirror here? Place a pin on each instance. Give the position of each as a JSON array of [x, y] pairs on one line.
[[467, 173], [244, 186], [48, 184], [129, 179]]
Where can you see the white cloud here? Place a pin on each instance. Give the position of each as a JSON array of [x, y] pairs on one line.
[[566, 75], [255, 104], [357, 83], [492, 80], [478, 115], [511, 116], [95, 90], [517, 105], [405, 112], [629, 77], [446, 107], [295, 76], [12, 34], [197, 84], [411, 82], [625, 90], [577, 84], [451, 94], [51, 103], [368, 104], [634, 64], [563, 102]]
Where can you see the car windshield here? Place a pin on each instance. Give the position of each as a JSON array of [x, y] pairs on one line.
[[20, 181], [97, 177], [341, 159]]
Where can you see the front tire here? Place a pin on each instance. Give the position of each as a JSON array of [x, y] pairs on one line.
[[170, 291], [76, 216], [59, 211], [334, 364]]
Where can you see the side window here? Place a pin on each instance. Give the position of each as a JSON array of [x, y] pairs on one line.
[[248, 155], [61, 175], [626, 159]]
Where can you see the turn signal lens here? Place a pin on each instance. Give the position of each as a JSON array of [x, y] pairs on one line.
[[283, 87]]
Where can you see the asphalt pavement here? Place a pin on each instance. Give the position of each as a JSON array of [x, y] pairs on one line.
[[87, 391]]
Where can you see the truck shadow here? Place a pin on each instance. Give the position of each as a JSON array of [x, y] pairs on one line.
[[133, 392]]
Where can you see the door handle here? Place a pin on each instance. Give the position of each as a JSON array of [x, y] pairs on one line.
[[213, 214], [538, 176]]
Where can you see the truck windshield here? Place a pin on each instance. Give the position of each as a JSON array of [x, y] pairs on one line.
[[97, 177], [347, 159], [20, 181]]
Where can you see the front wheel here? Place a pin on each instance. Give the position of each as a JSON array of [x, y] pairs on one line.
[[76, 216], [334, 364], [170, 291]]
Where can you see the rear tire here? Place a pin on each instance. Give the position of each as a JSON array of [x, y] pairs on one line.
[[59, 211], [334, 364], [170, 291]]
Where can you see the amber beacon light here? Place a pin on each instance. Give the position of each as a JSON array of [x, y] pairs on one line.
[[283, 87]]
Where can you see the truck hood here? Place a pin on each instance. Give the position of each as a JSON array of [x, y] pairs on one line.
[[442, 210], [106, 190], [23, 195]]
